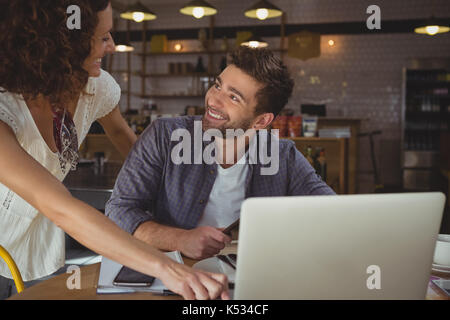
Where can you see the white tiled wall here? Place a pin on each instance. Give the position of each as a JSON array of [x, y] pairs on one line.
[[231, 12], [360, 76]]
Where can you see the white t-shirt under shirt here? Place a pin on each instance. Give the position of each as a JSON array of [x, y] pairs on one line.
[[226, 197], [35, 243]]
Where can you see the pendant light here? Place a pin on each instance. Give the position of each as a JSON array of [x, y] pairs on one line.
[[263, 10], [138, 13], [198, 9], [122, 45], [255, 42], [432, 27]]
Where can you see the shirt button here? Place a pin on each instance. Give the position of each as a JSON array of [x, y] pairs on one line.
[[202, 201], [211, 171]]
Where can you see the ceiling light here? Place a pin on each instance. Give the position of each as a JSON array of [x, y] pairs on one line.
[[198, 9], [262, 10], [122, 45], [255, 42], [138, 13], [432, 27]]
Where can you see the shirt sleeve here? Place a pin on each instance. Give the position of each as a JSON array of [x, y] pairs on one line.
[[137, 184], [303, 179], [108, 95]]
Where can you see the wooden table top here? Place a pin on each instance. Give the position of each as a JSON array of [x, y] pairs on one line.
[[56, 288]]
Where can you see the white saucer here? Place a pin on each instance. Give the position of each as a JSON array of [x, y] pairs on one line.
[[214, 265], [441, 266]]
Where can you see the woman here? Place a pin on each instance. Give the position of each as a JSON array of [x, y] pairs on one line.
[[47, 74]]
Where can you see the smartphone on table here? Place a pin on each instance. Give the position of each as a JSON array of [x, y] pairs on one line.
[[130, 278]]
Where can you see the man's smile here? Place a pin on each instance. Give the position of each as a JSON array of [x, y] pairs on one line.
[[214, 114]]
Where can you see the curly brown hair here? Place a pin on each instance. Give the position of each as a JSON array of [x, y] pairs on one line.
[[261, 64], [39, 54]]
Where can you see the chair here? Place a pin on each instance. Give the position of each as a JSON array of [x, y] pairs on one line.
[[13, 268]]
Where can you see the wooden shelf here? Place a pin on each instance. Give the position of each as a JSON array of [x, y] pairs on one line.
[[171, 75], [432, 83], [165, 96], [195, 52], [164, 75]]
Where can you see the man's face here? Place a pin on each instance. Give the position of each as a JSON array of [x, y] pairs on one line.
[[230, 103]]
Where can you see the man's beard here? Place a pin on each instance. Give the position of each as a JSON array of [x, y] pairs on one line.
[[243, 124]]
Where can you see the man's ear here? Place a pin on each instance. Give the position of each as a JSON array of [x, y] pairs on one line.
[[263, 121]]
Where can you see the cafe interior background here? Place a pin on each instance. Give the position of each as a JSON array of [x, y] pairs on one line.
[[355, 82]]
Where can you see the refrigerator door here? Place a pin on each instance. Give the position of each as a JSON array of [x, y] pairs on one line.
[[420, 159]]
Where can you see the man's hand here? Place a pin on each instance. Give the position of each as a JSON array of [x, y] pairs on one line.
[[202, 242]]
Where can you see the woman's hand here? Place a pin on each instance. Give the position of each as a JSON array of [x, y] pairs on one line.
[[194, 284]]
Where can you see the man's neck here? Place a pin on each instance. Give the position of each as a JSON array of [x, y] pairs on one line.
[[230, 151]]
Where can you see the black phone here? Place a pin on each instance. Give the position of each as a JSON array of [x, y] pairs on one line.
[[444, 285], [231, 227], [130, 278]]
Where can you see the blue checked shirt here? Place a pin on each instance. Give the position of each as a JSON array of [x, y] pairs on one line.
[[151, 187]]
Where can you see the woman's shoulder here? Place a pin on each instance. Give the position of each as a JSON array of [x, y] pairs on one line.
[[106, 93], [10, 109], [105, 82]]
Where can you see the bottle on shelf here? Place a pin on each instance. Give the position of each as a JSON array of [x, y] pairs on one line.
[[140, 126], [200, 68], [309, 155], [322, 164], [223, 64], [133, 125], [224, 46]]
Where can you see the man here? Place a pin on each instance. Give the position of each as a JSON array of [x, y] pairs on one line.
[[180, 205]]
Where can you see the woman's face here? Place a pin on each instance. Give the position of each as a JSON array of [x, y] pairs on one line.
[[102, 43]]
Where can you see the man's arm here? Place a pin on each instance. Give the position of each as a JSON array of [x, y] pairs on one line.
[[198, 243], [303, 179]]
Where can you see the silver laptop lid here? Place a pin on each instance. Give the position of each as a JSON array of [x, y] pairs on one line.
[[377, 246]]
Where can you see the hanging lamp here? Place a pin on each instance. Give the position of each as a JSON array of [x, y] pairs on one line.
[[431, 27], [122, 45], [255, 42], [263, 10], [138, 13], [198, 9]]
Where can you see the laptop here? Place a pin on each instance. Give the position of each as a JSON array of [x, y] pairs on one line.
[[377, 246]]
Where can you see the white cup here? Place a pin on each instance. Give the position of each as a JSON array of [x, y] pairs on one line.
[[442, 250]]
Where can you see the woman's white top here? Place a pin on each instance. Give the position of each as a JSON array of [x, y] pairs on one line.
[[35, 243]]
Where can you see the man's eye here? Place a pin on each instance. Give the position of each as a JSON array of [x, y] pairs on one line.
[[217, 86], [234, 98]]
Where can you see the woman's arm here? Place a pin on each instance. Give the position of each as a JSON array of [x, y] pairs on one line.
[[118, 131], [26, 177]]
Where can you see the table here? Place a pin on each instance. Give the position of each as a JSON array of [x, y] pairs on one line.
[[56, 288]]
